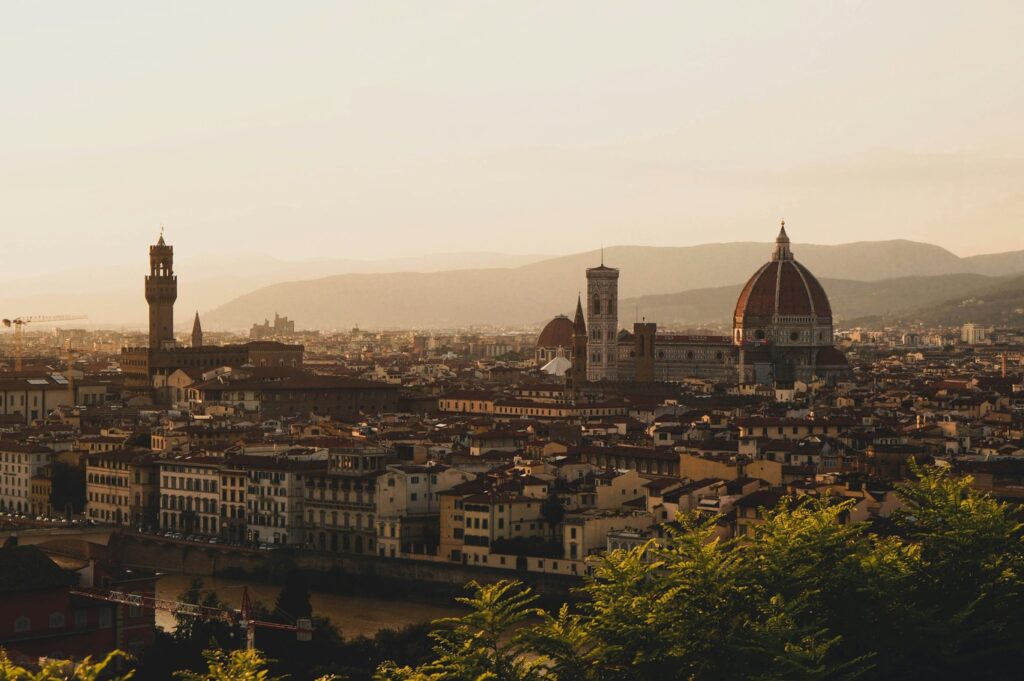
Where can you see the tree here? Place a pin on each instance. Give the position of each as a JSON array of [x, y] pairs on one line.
[[59, 670], [552, 511], [237, 665], [293, 599], [480, 645], [68, 487], [197, 630]]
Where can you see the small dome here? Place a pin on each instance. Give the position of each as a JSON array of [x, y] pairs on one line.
[[557, 333]]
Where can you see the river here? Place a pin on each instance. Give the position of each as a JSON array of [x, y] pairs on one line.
[[353, 615]]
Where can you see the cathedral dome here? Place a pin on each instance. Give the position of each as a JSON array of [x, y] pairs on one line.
[[783, 303], [785, 288], [557, 333]]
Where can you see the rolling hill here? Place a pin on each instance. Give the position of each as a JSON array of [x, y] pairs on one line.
[[849, 299], [999, 303], [532, 293]]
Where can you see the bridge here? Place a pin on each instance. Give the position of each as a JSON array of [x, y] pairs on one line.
[[40, 535]]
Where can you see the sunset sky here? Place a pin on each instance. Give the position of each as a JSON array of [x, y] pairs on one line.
[[380, 129]]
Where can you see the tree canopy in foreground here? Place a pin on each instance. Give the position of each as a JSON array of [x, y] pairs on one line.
[[938, 595]]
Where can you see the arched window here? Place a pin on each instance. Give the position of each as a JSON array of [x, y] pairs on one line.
[[22, 625], [597, 306], [56, 620]]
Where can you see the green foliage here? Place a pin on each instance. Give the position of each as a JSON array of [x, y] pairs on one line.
[[68, 488], [807, 596], [86, 670], [552, 511], [481, 645], [237, 665], [197, 630], [293, 599]]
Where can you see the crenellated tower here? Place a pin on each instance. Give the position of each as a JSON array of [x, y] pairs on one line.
[[161, 292]]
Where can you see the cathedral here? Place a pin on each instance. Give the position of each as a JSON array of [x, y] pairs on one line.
[[782, 332]]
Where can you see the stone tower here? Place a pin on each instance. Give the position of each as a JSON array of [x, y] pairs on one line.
[[602, 323], [579, 346], [644, 337], [161, 292], [197, 332]]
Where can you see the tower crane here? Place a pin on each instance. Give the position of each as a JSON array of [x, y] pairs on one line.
[[18, 324], [242, 618], [69, 357]]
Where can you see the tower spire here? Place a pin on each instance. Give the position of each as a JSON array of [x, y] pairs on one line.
[[197, 332], [782, 251]]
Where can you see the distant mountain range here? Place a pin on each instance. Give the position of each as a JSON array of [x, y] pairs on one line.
[[682, 286], [678, 286], [997, 303]]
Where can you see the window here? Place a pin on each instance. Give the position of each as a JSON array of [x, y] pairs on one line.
[[56, 620], [81, 619], [22, 625]]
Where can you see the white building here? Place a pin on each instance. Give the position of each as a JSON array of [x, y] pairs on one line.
[[408, 506], [18, 463], [190, 495], [973, 334], [274, 496]]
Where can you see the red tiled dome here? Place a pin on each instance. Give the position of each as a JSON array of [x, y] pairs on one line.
[[557, 333], [783, 287]]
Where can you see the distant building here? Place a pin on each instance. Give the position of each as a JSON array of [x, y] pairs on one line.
[[973, 334], [148, 368], [282, 326]]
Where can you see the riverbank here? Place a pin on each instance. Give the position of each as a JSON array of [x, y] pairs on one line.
[[353, 615]]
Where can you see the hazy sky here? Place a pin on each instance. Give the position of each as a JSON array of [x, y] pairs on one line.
[[378, 129]]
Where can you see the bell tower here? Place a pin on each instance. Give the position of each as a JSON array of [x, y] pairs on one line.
[[602, 323], [161, 292]]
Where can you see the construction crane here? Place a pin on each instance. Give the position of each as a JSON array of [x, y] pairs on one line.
[[242, 618], [69, 357], [18, 324]]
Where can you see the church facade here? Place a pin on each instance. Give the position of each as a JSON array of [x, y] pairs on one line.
[[782, 332]]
